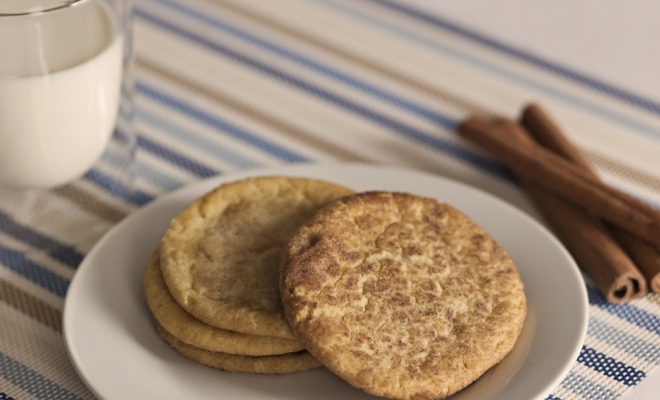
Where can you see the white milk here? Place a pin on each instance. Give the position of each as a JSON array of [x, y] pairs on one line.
[[59, 96]]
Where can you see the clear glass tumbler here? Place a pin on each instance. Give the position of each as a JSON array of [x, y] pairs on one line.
[[66, 93]]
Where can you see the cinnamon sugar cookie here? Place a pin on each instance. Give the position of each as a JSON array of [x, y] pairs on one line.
[[219, 257], [176, 321], [400, 295], [272, 365]]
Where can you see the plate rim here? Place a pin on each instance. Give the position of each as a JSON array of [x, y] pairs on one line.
[[206, 184]]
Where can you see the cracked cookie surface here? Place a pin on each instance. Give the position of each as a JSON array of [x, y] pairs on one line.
[[401, 296], [219, 257]]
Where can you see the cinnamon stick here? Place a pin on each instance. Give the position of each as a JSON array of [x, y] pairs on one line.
[[542, 128], [586, 238], [566, 180]]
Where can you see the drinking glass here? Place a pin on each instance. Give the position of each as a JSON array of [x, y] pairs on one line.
[[66, 94]]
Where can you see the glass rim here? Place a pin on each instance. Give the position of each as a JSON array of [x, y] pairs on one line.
[[34, 7]]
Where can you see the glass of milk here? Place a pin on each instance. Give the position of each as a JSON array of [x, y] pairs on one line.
[[65, 92]]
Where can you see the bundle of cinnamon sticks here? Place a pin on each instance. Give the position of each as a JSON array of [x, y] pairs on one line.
[[612, 236]]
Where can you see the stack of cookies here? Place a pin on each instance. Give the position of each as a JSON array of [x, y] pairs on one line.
[[212, 285], [400, 295]]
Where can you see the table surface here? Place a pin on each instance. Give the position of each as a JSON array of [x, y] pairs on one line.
[[229, 85]]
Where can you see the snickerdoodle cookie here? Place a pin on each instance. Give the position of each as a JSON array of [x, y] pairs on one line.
[[272, 365], [400, 295], [219, 257], [176, 321]]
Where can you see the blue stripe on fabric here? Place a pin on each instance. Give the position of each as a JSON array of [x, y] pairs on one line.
[[209, 147], [567, 73], [363, 86], [150, 174], [552, 397], [627, 312], [31, 381], [5, 396], [121, 137], [608, 114], [587, 389], [486, 164], [610, 367], [58, 251], [624, 341], [134, 196], [118, 156], [186, 163], [20, 264], [219, 124], [157, 177]]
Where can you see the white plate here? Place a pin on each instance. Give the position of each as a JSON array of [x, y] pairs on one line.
[[111, 342]]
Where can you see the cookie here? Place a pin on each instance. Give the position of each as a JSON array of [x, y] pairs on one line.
[[176, 321], [219, 257], [276, 364], [400, 295]]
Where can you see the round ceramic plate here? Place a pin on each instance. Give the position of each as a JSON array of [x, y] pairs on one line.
[[114, 348]]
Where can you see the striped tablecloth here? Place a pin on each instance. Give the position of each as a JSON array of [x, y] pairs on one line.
[[227, 85]]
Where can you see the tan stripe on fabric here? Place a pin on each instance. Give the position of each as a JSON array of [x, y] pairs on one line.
[[331, 149], [630, 174], [654, 298], [356, 59], [89, 203], [31, 306]]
